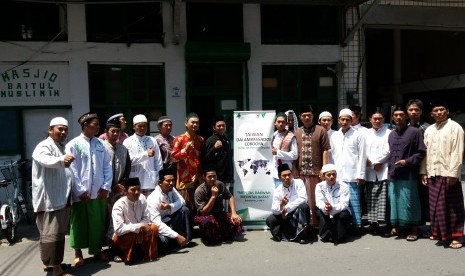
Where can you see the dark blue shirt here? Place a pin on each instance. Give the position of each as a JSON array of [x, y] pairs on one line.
[[406, 143]]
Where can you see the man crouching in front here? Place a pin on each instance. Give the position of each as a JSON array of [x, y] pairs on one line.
[[135, 237], [291, 214]]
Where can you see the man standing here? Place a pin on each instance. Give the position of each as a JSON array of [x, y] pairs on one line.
[[325, 119], [117, 118], [377, 148], [214, 223], [313, 145], [441, 172], [415, 111], [290, 216], [120, 164], [356, 117], [406, 152], [51, 187], [165, 142], [92, 183], [332, 199], [217, 151], [145, 155], [186, 152], [348, 151], [168, 211], [284, 146], [135, 237]]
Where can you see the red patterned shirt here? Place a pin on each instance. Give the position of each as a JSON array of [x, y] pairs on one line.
[[188, 162]]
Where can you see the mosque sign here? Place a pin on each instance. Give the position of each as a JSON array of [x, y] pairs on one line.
[[32, 85]]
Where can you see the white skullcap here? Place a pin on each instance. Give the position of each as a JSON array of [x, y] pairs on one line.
[[325, 114], [345, 111], [139, 119], [59, 121], [328, 167]]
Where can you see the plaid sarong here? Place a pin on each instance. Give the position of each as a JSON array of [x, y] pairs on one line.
[[376, 201], [354, 203], [446, 208], [218, 227], [405, 202]]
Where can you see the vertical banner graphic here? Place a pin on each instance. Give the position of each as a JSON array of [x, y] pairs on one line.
[[253, 186]]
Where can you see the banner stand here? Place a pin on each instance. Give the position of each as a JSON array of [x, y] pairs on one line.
[[253, 185]]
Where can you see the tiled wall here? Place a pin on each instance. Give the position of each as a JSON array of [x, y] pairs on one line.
[[352, 54]]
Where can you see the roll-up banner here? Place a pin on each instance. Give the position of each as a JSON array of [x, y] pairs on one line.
[[253, 186]]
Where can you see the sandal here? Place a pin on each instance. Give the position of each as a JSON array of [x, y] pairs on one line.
[[117, 259], [78, 261], [392, 233], [455, 245], [412, 237]]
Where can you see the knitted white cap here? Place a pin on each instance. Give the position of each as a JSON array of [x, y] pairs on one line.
[[139, 119], [345, 111], [59, 121], [325, 114], [328, 167]]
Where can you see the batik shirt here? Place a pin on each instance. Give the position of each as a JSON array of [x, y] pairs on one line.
[[188, 162]]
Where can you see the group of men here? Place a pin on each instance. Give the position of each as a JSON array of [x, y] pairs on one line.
[[155, 189], [401, 174], [119, 190]]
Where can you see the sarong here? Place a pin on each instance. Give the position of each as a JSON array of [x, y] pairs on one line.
[[376, 201], [310, 182], [88, 225], [293, 227], [218, 227], [355, 204], [180, 223], [53, 227], [446, 208], [405, 202], [334, 228], [147, 250]]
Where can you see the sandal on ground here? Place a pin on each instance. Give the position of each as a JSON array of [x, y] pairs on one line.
[[455, 245], [78, 261], [117, 259], [433, 238], [392, 233], [412, 237]]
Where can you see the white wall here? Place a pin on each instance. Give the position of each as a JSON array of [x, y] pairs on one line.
[[277, 54]]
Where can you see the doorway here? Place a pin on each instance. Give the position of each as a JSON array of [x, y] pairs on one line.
[[215, 89]]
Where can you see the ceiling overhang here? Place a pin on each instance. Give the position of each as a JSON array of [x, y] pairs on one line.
[[343, 3]]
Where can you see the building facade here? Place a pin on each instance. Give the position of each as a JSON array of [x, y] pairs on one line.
[[173, 57]]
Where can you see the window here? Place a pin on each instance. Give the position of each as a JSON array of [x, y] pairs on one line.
[[130, 89], [25, 21], [287, 87], [300, 24], [10, 144], [214, 22], [126, 23]]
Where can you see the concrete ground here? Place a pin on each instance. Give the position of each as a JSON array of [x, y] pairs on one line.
[[258, 255]]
